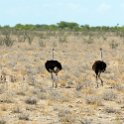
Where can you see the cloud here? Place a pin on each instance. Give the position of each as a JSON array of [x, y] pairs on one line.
[[104, 8]]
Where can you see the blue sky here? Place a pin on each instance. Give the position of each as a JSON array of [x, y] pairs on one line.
[[92, 12]]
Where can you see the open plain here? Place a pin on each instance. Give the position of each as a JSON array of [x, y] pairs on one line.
[[26, 95]]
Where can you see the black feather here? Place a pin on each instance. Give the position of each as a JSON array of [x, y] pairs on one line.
[[53, 66], [99, 66]]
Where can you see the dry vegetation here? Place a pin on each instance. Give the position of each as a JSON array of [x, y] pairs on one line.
[[26, 95]]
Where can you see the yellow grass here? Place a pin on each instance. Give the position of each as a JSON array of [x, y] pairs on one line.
[[76, 100]]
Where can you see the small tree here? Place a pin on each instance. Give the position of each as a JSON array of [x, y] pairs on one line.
[[7, 39]]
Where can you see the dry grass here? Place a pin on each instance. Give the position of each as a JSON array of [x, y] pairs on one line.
[[26, 96]]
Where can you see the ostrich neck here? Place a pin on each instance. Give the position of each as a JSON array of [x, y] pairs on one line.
[[53, 54], [101, 55]]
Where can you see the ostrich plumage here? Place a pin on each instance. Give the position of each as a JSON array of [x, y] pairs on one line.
[[98, 67], [53, 67]]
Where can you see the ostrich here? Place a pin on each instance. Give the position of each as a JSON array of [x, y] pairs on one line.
[[53, 67], [98, 67]]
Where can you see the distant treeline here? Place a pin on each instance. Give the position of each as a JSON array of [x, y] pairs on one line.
[[63, 26]]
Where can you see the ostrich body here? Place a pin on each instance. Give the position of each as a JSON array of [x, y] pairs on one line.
[[53, 67], [98, 67]]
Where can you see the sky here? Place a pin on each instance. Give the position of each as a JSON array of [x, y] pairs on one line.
[[91, 12]]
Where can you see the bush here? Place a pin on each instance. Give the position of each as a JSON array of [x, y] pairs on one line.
[[31, 101], [24, 117], [109, 96]]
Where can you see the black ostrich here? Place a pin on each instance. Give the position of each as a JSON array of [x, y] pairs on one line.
[[98, 67], [53, 67]]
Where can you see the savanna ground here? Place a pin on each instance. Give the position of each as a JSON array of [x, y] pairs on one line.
[[26, 95]]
